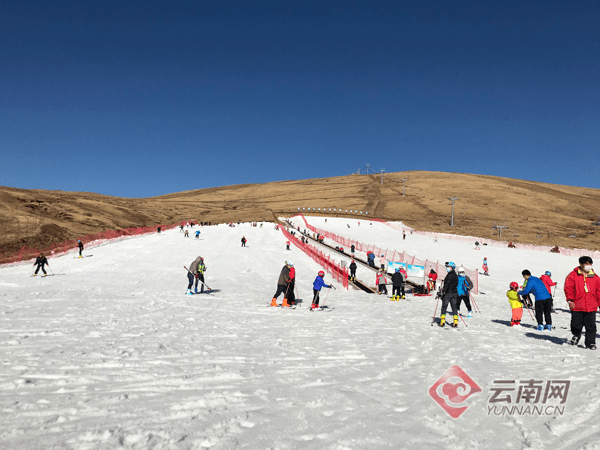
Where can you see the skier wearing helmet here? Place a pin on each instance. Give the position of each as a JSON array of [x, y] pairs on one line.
[[516, 304], [464, 288], [547, 280], [283, 285], [397, 285], [317, 285], [450, 295]]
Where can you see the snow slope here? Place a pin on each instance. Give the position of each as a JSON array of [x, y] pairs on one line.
[[108, 353]]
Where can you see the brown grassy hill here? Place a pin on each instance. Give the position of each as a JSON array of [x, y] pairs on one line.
[[537, 213]]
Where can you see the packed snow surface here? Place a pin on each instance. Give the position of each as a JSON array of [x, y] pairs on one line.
[[108, 352]]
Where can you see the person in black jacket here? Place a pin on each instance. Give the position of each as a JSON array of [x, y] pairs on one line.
[[244, 241], [41, 261], [397, 285], [80, 246], [352, 271], [450, 295]]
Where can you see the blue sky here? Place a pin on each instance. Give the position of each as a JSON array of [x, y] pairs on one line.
[[144, 98]]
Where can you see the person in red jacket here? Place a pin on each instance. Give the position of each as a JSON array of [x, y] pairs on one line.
[[432, 278], [582, 289], [549, 283]]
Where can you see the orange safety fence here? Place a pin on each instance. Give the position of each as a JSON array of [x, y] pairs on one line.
[[338, 272], [393, 255]]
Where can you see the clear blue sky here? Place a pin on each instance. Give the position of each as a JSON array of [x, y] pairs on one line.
[[144, 98]]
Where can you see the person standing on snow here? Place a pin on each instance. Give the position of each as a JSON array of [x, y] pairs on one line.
[[382, 263], [449, 295], [318, 284], [542, 300], [244, 241], [292, 286], [381, 282], [485, 267], [464, 287], [582, 289], [352, 249], [287, 245], [547, 280], [432, 279], [41, 261], [80, 246], [194, 274], [516, 304], [283, 284], [404, 235], [197, 234], [353, 270], [397, 285]]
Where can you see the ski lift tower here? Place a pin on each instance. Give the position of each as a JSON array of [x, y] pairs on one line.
[[499, 227], [403, 186], [382, 171], [453, 199]]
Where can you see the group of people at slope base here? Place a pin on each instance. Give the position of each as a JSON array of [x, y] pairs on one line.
[[286, 285], [582, 292], [196, 275], [455, 290]]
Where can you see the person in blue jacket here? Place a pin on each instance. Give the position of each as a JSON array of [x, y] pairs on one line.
[[371, 257], [317, 285], [543, 305]]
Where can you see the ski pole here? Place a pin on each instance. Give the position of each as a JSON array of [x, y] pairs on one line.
[[205, 285], [475, 303], [325, 299], [461, 318], [436, 305], [527, 306]]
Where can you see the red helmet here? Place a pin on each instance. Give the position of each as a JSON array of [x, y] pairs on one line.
[[321, 273], [514, 285]]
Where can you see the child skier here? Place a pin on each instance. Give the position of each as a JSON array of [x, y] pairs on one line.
[[485, 266], [317, 285], [547, 280], [464, 287], [353, 270], [197, 234], [515, 303]]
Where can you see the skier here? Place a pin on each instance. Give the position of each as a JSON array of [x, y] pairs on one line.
[[317, 285], [80, 246], [194, 274], [515, 303], [181, 228], [582, 289], [41, 261], [287, 245], [382, 263], [464, 287], [353, 270], [292, 285], [432, 279], [485, 266], [352, 249], [477, 245], [547, 280], [449, 295], [397, 285], [158, 230], [371, 258], [404, 235], [381, 282], [244, 241], [197, 234], [542, 300], [186, 233], [283, 284]]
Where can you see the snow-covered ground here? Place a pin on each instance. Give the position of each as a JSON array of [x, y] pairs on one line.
[[109, 354]]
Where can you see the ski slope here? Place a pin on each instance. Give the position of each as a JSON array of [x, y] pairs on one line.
[[109, 354]]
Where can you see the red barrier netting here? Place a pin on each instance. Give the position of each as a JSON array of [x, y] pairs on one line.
[[393, 255], [338, 272], [89, 241]]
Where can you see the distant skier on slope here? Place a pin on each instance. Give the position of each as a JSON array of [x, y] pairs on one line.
[[433, 276], [318, 284], [80, 246], [287, 245], [450, 295], [283, 284], [485, 266], [40, 262], [244, 241]]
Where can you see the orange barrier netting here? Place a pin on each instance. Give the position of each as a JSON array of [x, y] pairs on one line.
[[338, 272], [89, 241], [393, 255]]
